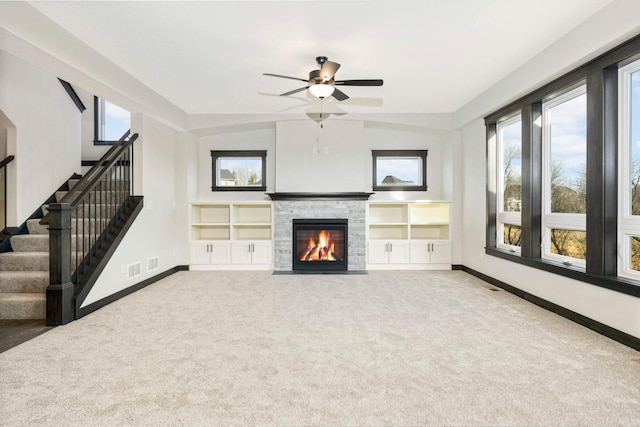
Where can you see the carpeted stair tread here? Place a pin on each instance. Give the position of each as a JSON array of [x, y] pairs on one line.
[[30, 243], [23, 306], [23, 281], [24, 261]]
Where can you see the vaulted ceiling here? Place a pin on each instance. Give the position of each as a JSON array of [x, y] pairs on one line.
[[208, 57]]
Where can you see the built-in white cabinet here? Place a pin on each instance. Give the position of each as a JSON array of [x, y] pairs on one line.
[[408, 235], [388, 252], [231, 235], [205, 253], [253, 253]]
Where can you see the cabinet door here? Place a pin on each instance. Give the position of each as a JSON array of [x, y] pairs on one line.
[[420, 253], [441, 252], [199, 253], [398, 252], [377, 252], [241, 252], [261, 252], [220, 253]]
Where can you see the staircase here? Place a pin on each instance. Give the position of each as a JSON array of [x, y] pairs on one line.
[[50, 264], [24, 273]]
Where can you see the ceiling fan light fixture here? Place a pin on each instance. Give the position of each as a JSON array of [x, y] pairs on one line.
[[321, 90]]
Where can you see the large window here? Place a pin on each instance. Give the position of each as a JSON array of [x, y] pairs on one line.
[[509, 231], [565, 180], [576, 209], [238, 170], [629, 161]]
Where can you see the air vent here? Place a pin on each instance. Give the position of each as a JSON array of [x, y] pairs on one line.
[[133, 270], [152, 264]]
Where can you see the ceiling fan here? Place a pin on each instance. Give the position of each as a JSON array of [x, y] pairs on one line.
[[322, 83]]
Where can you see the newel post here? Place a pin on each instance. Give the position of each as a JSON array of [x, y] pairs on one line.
[[60, 305]]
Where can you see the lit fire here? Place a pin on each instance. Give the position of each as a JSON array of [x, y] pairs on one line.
[[322, 250]]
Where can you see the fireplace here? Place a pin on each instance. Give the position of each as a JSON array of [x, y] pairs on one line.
[[320, 245]]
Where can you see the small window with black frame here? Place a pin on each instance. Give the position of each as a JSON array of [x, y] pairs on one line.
[[238, 170], [110, 122], [399, 170]]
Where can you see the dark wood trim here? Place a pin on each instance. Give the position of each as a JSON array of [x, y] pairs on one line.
[[531, 215], [601, 173], [400, 153], [610, 174], [319, 196], [215, 154], [614, 283], [491, 160], [601, 328], [457, 267], [81, 312], [91, 163], [73, 95], [6, 161]]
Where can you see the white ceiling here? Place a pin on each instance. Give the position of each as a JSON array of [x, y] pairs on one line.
[[208, 57]]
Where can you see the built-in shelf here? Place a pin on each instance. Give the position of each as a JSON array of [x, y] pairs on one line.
[[408, 235], [231, 234]]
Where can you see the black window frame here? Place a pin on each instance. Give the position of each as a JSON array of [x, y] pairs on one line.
[[422, 154], [217, 154], [97, 109], [601, 76]]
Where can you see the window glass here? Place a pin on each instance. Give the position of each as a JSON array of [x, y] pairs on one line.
[[116, 121], [567, 127], [512, 235], [569, 243], [238, 170], [510, 138], [399, 170], [634, 141]]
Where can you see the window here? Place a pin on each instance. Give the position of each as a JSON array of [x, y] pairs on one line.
[[580, 174], [238, 170], [629, 161], [564, 190], [110, 121], [509, 232], [399, 170]]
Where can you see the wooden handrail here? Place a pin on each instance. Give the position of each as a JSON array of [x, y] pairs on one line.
[[6, 161], [90, 181]]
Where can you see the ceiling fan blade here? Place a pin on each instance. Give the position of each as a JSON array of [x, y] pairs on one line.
[[371, 82], [339, 95], [329, 70], [291, 92], [284, 77]]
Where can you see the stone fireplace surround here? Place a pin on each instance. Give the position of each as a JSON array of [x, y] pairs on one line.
[[313, 206]]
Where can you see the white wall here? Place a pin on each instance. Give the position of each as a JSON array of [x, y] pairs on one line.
[[155, 232], [321, 157], [47, 135]]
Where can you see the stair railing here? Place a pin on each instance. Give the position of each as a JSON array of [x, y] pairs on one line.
[[3, 188], [81, 221]]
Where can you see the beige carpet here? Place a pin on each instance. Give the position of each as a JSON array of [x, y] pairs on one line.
[[387, 348]]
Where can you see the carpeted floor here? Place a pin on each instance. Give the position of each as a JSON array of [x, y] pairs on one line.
[[387, 348]]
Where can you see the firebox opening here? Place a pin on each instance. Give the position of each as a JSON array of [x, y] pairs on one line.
[[319, 244]]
